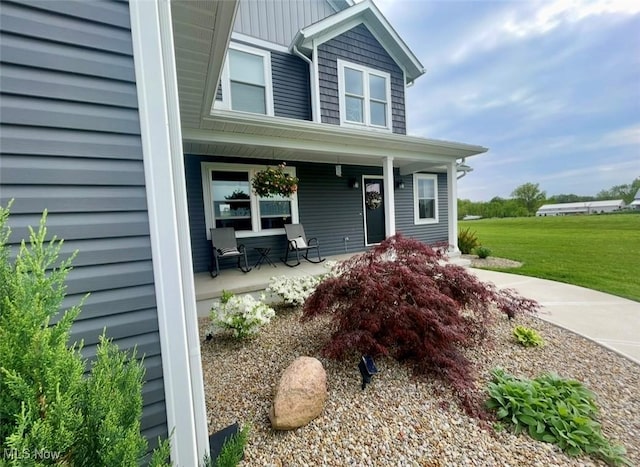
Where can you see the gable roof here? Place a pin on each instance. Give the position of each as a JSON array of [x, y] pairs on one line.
[[361, 13]]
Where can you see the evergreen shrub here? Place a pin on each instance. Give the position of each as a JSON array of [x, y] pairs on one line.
[[50, 411]]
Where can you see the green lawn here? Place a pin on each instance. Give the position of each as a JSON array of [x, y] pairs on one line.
[[601, 252]]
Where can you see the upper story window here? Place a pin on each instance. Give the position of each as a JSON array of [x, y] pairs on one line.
[[230, 201], [246, 81], [425, 198], [365, 96]]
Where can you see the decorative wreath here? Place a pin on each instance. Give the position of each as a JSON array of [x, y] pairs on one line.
[[373, 200]]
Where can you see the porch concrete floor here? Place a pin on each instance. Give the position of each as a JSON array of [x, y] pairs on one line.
[[234, 280]]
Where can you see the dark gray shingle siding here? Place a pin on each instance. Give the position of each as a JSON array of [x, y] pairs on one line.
[[357, 46], [291, 88], [71, 144]]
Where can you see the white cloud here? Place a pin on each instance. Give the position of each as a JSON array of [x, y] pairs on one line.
[[520, 22], [553, 14]]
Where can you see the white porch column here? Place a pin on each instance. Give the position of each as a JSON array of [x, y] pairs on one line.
[[389, 198], [452, 204]]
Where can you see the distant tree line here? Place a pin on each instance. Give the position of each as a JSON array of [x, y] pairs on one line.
[[527, 198]]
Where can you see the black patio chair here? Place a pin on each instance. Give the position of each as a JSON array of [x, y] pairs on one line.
[[297, 242], [225, 245]]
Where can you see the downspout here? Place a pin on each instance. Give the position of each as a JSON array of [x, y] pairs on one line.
[[312, 79], [462, 168]]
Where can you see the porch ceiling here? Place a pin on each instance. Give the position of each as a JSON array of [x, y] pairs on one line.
[[244, 135]]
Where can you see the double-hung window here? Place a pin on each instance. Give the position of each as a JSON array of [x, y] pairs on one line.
[[425, 198], [230, 201], [365, 96], [246, 81]]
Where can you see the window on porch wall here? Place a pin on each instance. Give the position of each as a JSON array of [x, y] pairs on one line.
[[231, 199], [425, 197], [234, 204]]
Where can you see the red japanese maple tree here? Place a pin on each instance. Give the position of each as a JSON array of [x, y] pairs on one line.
[[402, 299]]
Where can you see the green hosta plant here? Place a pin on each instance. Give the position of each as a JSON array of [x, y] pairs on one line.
[[483, 252], [467, 241], [527, 337], [553, 410], [242, 314]]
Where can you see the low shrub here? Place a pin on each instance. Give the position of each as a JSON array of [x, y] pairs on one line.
[[401, 299], [553, 410], [242, 314], [483, 252], [467, 241], [527, 337], [294, 290]]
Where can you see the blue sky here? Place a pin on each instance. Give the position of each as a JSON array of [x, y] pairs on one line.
[[552, 88]]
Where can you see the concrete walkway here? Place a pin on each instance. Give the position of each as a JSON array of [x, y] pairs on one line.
[[611, 321]]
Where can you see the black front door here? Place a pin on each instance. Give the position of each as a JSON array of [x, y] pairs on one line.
[[373, 189]]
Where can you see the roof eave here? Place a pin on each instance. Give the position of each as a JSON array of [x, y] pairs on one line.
[[389, 143]]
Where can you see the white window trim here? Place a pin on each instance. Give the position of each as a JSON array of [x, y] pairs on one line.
[[416, 210], [225, 79], [367, 99], [256, 231]]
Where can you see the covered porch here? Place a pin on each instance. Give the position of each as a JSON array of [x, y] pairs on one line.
[[337, 167]]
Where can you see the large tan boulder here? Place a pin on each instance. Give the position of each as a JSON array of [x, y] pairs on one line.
[[301, 394]]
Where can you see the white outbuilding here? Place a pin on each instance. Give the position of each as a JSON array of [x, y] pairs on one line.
[[635, 204], [586, 207]]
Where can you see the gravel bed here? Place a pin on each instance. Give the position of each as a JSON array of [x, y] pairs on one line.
[[399, 419], [491, 262]]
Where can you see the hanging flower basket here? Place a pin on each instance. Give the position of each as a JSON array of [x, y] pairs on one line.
[[274, 181], [373, 200]]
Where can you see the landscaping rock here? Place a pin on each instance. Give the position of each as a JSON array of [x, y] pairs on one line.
[[301, 394]]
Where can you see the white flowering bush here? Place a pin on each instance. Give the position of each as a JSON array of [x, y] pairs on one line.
[[295, 290], [244, 315]]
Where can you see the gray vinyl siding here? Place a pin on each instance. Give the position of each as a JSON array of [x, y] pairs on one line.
[[328, 208], [279, 21], [71, 145], [427, 233], [291, 88], [357, 46]]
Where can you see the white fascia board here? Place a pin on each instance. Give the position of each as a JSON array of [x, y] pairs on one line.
[[225, 17], [338, 145], [163, 161], [325, 133], [256, 42]]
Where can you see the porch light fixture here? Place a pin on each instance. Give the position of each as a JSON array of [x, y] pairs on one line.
[[353, 183], [400, 185], [367, 369]]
